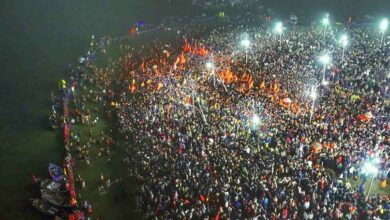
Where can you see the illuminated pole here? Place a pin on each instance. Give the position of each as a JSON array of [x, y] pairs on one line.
[[313, 96], [255, 122], [370, 168], [194, 99], [324, 59], [369, 189], [213, 68], [210, 66], [246, 43], [344, 43], [279, 30], [383, 27], [325, 22]]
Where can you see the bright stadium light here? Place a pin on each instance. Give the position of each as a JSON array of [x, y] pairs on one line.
[[245, 43], [383, 27], [255, 119], [279, 30], [313, 93], [325, 59], [344, 43], [209, 65], [384, 24], [279, 27], [370, 168], [344, 40], [325, 21]]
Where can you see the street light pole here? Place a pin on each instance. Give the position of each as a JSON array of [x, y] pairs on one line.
[[344, 43], [324, 59], [370, 168], [383, 34], [279, 30], [383, 27], [280, 39], [369, 189], [246, 43], [325, 22], [313, 96]]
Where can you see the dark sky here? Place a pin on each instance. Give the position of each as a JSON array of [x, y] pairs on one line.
[[336, 7]]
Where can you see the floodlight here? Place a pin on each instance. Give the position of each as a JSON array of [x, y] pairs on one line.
[[279, 27], [255, 119], [325, 21], [369, 168], [324, 59], [384, 24], [344, 40], [246, 43]]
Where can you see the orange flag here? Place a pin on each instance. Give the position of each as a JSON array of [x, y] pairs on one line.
[[262, 86], [143, 66], [132, 88], [250, 83]]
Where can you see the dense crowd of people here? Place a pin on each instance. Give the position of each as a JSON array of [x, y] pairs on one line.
[[197, 151], [219, 130]]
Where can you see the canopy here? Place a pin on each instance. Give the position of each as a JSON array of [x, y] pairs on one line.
[[140, 23], [55, 172]]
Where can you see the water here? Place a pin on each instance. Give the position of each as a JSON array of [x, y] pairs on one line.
[[38, 40]]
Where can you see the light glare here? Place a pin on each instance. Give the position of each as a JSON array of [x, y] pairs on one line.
[[246, 43], [325, 21], [325, 59], [279, 27], [344, 40], [384, 24], [256, 119]]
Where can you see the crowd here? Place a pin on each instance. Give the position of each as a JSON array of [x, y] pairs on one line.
[[209, 134], [197, 151]]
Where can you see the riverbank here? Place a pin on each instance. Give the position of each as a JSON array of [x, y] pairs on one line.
[[40, 39], [98, 150]]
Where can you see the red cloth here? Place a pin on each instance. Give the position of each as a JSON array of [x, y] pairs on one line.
[[362, 117], [218, 216], [339, 159]]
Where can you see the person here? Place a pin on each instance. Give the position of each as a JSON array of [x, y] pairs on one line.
[[204, 156]]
